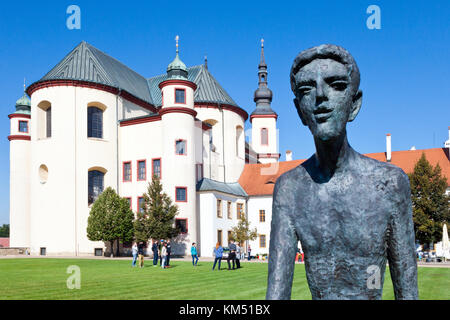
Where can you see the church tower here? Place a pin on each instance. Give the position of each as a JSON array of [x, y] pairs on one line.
[[264, 119], [19, 166], [178, 145]]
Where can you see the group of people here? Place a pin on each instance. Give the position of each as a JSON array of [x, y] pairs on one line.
[[235, 254], [161, 249]]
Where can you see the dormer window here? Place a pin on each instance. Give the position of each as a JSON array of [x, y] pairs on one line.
[[180, 96]]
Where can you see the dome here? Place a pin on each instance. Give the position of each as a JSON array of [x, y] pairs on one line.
[[23, 105], [177, 69], [263, 94], [176, 64], [24, 101]]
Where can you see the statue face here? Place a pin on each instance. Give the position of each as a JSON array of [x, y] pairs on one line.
[[325, 99]]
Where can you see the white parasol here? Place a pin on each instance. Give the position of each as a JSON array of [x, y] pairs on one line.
[[445, 242]]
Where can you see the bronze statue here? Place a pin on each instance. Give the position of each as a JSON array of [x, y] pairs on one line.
[[350, 213]]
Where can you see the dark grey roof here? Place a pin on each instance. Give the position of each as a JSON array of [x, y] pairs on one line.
[[208, 89], [229, 188], [87, 63]]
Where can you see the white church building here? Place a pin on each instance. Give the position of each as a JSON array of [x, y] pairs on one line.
[[92, 123]]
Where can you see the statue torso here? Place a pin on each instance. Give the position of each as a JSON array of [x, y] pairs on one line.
[[343, 226]]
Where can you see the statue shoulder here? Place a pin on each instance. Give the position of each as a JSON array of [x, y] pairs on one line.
[[389, 173], [292, 177]]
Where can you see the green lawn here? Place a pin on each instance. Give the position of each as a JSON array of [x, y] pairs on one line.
[[116, 279]]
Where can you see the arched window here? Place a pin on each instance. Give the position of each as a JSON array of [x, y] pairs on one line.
[[48, 115], [239, 141], [95, 122], [264, 136], [95, 185]]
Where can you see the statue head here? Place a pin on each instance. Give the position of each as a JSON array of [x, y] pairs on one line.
[[325, 81]]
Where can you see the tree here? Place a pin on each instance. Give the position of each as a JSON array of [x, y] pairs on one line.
[[430, 204], [4, 231], [242, 231], [110, 219], [157, 219]]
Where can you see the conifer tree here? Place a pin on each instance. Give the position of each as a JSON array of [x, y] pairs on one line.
[[430, 203], [110, 219], [157, 219]]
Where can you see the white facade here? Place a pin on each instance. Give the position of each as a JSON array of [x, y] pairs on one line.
[[260, 220], [50, 167]]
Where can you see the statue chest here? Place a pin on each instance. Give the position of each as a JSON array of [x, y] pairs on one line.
[[349, 217]]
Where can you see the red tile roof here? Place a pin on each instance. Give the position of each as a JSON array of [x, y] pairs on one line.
[[4, 242], [259, 179], [408, 159]]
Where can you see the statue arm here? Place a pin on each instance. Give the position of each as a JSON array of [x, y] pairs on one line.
[[401, 245], [283, 245]]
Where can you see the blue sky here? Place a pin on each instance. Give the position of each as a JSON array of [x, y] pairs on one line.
[[405, 66]]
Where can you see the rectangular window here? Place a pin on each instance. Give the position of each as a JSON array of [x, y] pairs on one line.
[[262, 240], [229, 209], [219, 236], [219, 208], [230, 236], [239, 210], [181, 224], [156, 168], [23, 126], [141, 203], [262, 215], [181, 194], [141, 170], [180, 96], [264, 136], [180, 147], [48, 114], [127, 171]]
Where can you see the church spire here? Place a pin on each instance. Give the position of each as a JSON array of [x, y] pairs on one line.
[[177, 69], [263, 95]]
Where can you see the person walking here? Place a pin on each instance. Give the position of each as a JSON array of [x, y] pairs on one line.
[[232, 254], [249, 256], [194, 254], [141, 254], [134, 252], [163, 254], [218, 253], [238, 256], [169, 251], [155, 253]]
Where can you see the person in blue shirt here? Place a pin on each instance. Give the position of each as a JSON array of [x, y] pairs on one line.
[[194, 254], [218, 252], [134, 250]]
